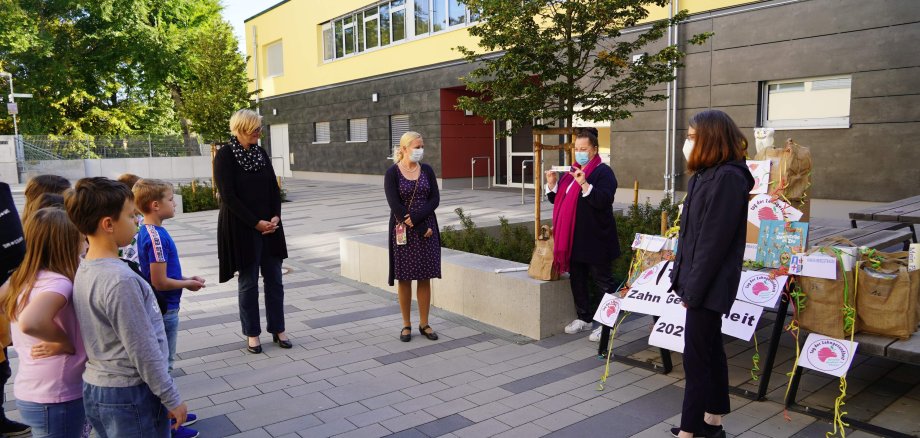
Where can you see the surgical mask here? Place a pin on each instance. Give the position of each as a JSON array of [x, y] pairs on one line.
[[416, 155], [688, 148], [581, 157]]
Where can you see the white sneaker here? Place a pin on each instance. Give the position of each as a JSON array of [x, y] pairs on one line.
[[595, 335], [577, 326]]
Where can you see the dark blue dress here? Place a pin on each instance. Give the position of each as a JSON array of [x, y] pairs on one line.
[[420, 257]]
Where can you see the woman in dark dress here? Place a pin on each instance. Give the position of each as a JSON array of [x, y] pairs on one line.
[[415, 244], [250, 237], [707, 268], [584, 229]]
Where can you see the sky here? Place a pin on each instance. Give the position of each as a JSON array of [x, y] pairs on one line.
[[235, 11]]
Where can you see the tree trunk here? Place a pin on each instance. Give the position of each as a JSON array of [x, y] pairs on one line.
[[191, 147]]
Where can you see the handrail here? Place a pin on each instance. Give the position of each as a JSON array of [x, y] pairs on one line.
[[523, 168], [473, 171]]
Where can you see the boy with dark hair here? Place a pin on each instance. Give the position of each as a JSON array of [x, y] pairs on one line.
[[127, 381]]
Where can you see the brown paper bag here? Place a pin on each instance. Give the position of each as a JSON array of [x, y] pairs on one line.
[[541, 262], [824, 305], [887, 297], [790, 171]]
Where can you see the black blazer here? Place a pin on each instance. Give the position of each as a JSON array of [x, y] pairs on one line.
[[710, 248], [398, 208], [245, 199], [595, 240], [12, 244]]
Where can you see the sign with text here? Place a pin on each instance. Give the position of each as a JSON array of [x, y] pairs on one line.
[[608, 311], [759, 288], [763, 207], [649, 291], [760, 170], [668, 331], [648, 242], [741, 321], [816, 265], [827, 355]]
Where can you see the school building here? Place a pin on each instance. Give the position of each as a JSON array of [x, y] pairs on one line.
[[341, 81]]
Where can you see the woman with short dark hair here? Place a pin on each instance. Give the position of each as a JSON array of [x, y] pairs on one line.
[[707, 268]]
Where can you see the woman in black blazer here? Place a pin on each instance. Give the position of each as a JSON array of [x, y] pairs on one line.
[[587, 247], [707, 268], [250, 237], [412, 193]]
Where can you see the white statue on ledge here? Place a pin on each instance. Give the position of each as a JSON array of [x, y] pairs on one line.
[[763, 138]]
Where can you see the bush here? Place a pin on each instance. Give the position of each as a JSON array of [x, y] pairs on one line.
[[515, 242], [644, 219], [197, 197]]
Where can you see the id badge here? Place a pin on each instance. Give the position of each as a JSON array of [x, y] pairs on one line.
[[400, 234]]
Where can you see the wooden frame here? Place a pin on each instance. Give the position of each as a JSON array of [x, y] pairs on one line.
[[538, 148]]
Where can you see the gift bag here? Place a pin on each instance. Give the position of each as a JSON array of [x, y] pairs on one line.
[[790, 171], [541, 262], [887, 296], [826, 301]]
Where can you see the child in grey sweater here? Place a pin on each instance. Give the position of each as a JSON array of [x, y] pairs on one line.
[[126, 382]]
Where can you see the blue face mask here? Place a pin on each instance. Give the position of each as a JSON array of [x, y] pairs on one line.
[[581, 157]]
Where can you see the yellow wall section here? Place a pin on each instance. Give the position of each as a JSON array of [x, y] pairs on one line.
[[297, 24]]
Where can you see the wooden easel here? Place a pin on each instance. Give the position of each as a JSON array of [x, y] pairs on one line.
[[538, 148]]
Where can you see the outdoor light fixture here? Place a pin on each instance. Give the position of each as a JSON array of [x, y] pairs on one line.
[[374, 97], [274, 111]]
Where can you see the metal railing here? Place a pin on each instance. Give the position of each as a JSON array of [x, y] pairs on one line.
[[523, 185], [473, 171], [130, 146]]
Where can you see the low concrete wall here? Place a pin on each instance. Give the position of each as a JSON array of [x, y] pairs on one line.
[[470, 287], [158, 167]]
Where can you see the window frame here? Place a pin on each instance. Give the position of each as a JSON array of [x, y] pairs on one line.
[[350, 134], [316, 132], [842, 122]]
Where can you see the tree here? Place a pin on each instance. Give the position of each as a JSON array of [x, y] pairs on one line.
[[560, 59], [218, 72]]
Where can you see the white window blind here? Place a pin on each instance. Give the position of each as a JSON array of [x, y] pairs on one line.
[[399, 125], [813, 103], [357, 130], [321, 132], [274, 60]]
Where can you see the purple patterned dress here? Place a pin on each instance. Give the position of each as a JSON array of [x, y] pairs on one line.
[[420, 257]]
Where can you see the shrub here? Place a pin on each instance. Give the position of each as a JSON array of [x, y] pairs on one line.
[[198, 196], [644, 219], [515, 242]]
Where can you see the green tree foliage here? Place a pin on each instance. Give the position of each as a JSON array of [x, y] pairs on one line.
[[117, 67], [565, 58]]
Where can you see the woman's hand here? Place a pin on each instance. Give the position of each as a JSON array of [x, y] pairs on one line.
[[551, 178], [408, 221], [275, 221], [45, 349], [266, 227], [579, 176], [429, 233]]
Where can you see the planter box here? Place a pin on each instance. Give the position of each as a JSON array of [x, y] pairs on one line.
[[470, 287]]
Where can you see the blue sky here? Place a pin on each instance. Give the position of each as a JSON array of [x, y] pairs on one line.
[[235, 11]]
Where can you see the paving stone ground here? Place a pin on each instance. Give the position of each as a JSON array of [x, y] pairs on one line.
[[348, 375]]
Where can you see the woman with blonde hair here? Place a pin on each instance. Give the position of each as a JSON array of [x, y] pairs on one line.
[[46, 335], [415, 245], [250, 237]]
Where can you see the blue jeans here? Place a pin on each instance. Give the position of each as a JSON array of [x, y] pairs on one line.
[[53, 420], [171, 324], [132, 411], [249, 293]]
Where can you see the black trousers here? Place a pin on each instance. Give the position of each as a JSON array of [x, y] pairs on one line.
[[706, 369], [579, 273], [5, 373]]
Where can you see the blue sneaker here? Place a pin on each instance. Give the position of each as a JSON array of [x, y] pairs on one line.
[[190, 419], [184, 432]]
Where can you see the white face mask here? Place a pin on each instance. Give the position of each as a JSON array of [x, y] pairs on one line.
[[688, 148], [416, 155]]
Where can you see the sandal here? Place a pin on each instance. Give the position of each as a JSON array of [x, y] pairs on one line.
[[405, 334], [430, 335]]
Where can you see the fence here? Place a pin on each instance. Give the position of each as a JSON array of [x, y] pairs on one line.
[[41, 147]]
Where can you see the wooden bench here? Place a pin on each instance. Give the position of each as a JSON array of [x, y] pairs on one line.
[[872, 237], [904, 211]]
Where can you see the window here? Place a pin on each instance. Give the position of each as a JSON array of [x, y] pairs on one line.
[[457, 12], [371, 37], [398, 20], [339, 41], [274, 61], [399, 125], [384, 24], [438, 15], [348, 24], [321, 132], [328, 44], [357, 130], [421, 17], [817, 103]]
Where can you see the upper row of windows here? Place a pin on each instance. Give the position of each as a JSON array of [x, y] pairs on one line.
[[390, 22]]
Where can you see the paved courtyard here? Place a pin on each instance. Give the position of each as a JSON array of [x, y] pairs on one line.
[[348, 374]]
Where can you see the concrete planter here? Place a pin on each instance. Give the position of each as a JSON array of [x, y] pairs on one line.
[[470, 287]]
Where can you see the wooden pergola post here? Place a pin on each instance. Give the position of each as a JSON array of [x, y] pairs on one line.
[[538, 148]]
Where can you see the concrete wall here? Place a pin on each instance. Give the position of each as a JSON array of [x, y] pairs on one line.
[[8, 171], [470, 287], [876, 159], [164, 168]]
